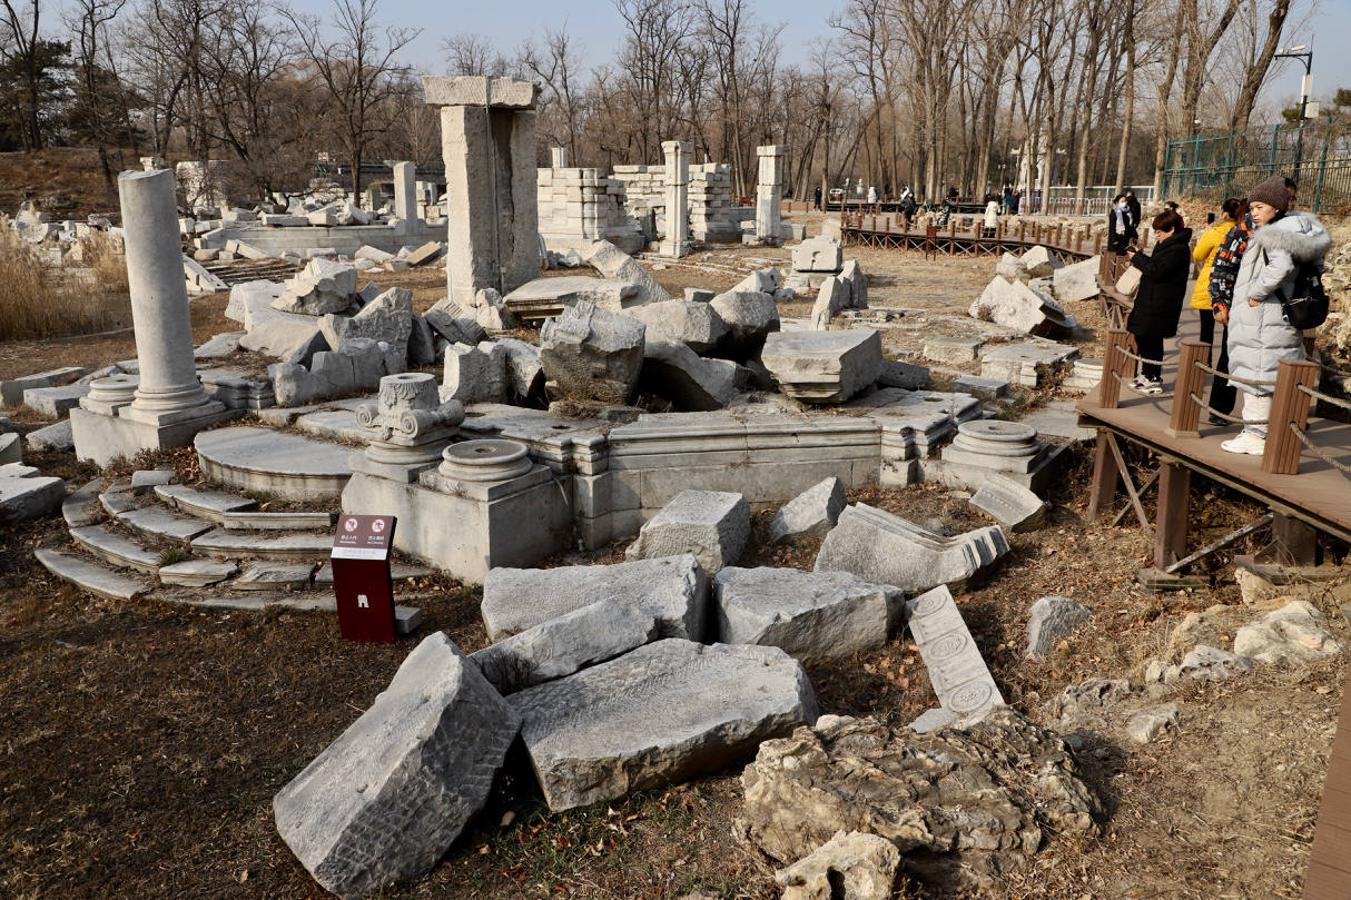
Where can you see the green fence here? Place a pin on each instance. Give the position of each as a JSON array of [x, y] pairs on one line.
[[1221, 165]]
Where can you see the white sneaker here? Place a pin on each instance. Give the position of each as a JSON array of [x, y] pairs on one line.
[[1151, 386], [1246, 442]]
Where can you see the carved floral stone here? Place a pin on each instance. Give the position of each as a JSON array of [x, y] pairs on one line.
[[408, 424]]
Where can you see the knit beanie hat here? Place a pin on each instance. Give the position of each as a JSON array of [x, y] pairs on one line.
[[1272, 192]]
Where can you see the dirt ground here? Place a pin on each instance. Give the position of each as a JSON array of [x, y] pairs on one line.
[[143, 741]]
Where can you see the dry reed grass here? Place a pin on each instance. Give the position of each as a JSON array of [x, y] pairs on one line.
[[39, 300]]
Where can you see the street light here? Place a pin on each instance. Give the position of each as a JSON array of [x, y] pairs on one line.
[[1305, 53]]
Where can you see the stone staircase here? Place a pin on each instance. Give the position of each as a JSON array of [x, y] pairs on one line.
[[199, 546]]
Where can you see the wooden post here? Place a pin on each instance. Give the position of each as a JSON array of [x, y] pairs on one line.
[[1295, 541], [1190, 380], [1170, 525], [1022, 229], [1109, 389], [1289, 406], [1102, 490]]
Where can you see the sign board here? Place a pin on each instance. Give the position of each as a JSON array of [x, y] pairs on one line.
[[360, 560]]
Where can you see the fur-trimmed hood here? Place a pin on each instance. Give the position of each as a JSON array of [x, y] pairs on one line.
[[1299, 234]]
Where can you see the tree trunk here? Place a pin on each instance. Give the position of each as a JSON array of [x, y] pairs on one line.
[[1257, 73]]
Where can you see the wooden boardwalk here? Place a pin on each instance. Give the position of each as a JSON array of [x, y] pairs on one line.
[[1067, 243], [1329, 875]]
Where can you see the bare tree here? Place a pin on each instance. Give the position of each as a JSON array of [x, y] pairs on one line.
[[25, 37], [555, 64], [1256, 72], [357, 72], [88, 20], [473, 54]]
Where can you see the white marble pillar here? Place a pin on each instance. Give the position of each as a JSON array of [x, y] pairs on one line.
[[768, 192], [558, 157], [168, 391], [405, 190], [676, 242]]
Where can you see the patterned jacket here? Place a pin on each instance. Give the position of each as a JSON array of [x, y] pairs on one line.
[[1224, 273]]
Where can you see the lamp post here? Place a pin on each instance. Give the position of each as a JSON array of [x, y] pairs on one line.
[[1305, 53]]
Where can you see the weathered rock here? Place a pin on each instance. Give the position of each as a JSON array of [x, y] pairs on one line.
[[852, 275], [810, 615], [1203, 663], [387, 318], [566, 644], [1291, 635], [823, 366], [545, 298], [1088, 697], [612, 262], [51, 437], [1010, 504], [475, 374], [712, 525], [831, 298], [696, 325], [421, 344], [25, 494], [593, 354], [903, 375], [818, 254], [690, 382], [1037, 262], [1010, 267], [525, 372], [811, 513], [886, 549], [660, 714], [454, 323], [1078, 281], [11, 448], [219, 346], [323, 286], [674, 589], [11, 390], [852, 865], [387, 799], [750, 316], [991, 785], [1052, 620], [1146, 725], [1015, 305], [952, 350], [764, 281]]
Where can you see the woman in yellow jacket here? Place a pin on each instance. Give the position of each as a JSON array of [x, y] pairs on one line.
[[1207, 245]]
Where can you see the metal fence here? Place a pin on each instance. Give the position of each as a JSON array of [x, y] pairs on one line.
[[1317, 156], [1061, 199]]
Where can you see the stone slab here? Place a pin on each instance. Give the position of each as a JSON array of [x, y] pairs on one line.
[[712, 525], [270, 462], [89, 575], [956, 668]]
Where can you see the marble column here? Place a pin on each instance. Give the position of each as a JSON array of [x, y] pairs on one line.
[[676, 242], [768, 192], [168, 391], [558, 157], [405, 190]]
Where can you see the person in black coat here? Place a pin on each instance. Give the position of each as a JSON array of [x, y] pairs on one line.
[[1163, 288], [1133, 223]]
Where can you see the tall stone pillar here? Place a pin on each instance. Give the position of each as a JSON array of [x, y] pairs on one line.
[[558, 157], [488, 143], [169, 391], [676, 242], [768, 191], [405, 191]]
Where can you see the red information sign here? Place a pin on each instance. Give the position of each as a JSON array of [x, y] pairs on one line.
[[361, 578]]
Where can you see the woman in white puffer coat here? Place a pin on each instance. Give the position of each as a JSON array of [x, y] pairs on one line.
[[1259, 335]]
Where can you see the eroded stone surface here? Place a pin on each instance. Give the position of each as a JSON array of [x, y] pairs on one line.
[[811, 513], [1053, 619], [712, 525], [593, 354], [852, 865], [957, 671], [823, 366]]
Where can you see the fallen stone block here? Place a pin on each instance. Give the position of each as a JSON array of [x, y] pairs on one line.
[[661, 714], [1015, 305], [54, 402], [387, 318], [696, 325], [907, 376], [386, 800], [830, 299], [811, 513], [987, 786], [692, 383], [712, 525], [11, 448], [323, 286], [810, 615], [546, 298], [525, 372], [823, 366], [763, 281], [886, 549], [610, 261], [980, 386], [1010, 504], [455, 323], [426, 253], [1037, 262], [957, 671], [222, 345], [593, 354], [475, 374], [750, 317], [374, 254], [818, 254], [852, 275], [563, 645], [674, 589], [1010, 267], [11, 391], [1028, 363], [852, 865], [1077, 282], [52, 437], [952, 351], [1145, 726], [288, 337], [1052, 620], [26, 495]]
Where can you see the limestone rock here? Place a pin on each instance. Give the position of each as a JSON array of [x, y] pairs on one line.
[[11, 448], [563, 645], [51, 437], [1291, 635], [1010, 267], [903, 375], [1077, 701], [25, 494], [712, 525], [289, 337], [388, 318], [991, 785], [696, 325], [663, 713], [1015, 305], [386, 800], [593, 354], [1205, 663], [323, 286], [1077, 282], [886, 549], [545, 298], [750, 316], [454, 323], [525, 372], [614, 263], [823, 367], [475, 374], [811, 513], [810, 615], [1052, 620], [852, 275], [852, 865], [1037, 262], [674, 589], [691, 383], [1146, 725]]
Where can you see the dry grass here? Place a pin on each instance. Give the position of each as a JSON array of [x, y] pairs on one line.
[[40, 301]]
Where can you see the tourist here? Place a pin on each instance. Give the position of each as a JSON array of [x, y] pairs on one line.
[[1259, 335], [816, 198], [1007, 205], [1118, 224], [1158, 303], [1017, 201], [872, 196], [1133, 220], [1171, 204], [991, 215], [1219, 268]]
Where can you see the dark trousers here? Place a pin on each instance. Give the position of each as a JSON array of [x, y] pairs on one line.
[[1150, 347], [1222, 393], [1207, 327]]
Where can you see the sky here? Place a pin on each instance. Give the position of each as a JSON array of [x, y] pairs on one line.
[[598, 29]]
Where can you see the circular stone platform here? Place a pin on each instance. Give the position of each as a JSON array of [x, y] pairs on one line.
[[285, 465], [486, 459]]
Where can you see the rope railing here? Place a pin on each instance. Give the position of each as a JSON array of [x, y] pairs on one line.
[[1233, 420], [1317, 451], [1333, 370], [1251, 382], [1134, 390], [1149, 362], [1326, 398]]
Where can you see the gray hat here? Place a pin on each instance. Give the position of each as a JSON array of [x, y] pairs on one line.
[[1273, 192]]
